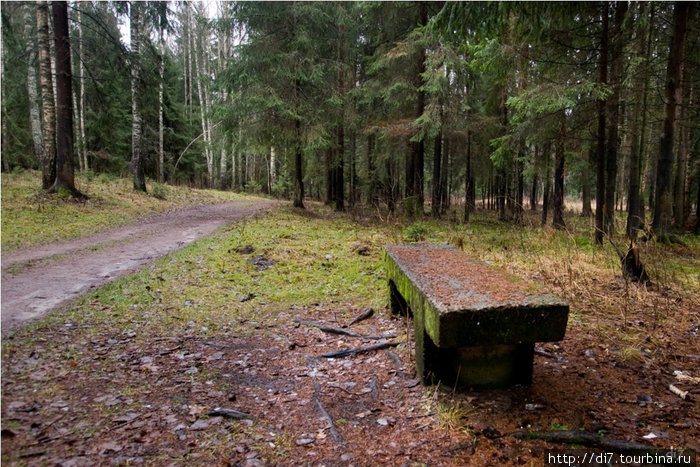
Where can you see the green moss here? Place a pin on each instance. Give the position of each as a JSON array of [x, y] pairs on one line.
[[31, 217]]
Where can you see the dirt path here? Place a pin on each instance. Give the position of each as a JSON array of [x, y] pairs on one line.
[[37, 280]]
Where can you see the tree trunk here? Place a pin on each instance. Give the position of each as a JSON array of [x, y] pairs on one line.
[[613, 143], [298, 160], [681, 186], [519, 184], [663, 212], [137, 168], [445, 178], [374, 185], [65, 179], [32, 90], [200, 74], [535, 180], [273, 167], [415, 163], [600, 149], [468, 181], [437, 174], [635, 214], [338, 166], [353, 170], [558, 217], [48, 103], [587, 210], [161, 86], [81, 77], [547, 157]]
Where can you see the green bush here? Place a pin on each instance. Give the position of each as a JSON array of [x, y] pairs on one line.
[[415, 232], [159, 191]]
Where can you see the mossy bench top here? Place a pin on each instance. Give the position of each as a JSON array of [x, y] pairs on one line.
[[468, 302]]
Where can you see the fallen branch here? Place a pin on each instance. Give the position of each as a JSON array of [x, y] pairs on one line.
[[331, 424], [356, 350], [685, 395], [229, 413], [680, 376], [342, 332], [368, 313], [583, 438], [544, 353], [311, 363]]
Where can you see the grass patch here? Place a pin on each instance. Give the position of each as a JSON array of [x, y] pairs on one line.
[[31, 217]]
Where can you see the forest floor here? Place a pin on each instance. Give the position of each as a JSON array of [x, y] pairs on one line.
[[134, 372]]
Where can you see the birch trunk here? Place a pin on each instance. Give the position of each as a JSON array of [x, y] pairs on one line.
[[203, 110], [136, 121], [81, 102], [161, 73], [48, 103]]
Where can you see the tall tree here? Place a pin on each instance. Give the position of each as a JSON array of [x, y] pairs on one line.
[[162, 25], [600, 198], [613, 114], [635, 207], [559, 159], [82, 146], [65, 180], [48, 104], [663, 208], [136, 37]]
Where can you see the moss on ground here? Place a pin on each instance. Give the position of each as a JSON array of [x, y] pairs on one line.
[[32, 217]]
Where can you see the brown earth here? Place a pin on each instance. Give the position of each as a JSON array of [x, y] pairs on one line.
[[136, 397], [39, 279]]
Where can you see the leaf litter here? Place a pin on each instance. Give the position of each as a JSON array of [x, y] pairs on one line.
[[164, 389]]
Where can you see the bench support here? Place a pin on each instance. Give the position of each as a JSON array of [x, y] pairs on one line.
[[477, 366]]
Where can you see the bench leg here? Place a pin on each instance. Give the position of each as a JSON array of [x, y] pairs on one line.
[[396, 301], [427, 353]]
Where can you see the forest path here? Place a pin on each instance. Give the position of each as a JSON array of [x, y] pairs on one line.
[[37, 280]]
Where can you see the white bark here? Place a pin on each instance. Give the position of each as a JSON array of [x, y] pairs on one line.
[[203, 110], [136, 120], [273, 169], [161, 72], [48, 101], [81, 77]]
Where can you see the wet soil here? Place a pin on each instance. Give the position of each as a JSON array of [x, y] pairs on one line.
[[37, 280]]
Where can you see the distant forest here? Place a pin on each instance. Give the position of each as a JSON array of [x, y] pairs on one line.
[[413, 106]]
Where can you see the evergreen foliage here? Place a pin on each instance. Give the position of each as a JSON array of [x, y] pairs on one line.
[[482, 105]]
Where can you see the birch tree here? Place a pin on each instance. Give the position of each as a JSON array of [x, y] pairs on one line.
[[137, 168], [48, 167]]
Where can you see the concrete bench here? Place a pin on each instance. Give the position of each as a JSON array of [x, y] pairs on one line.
[[474, 325]]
